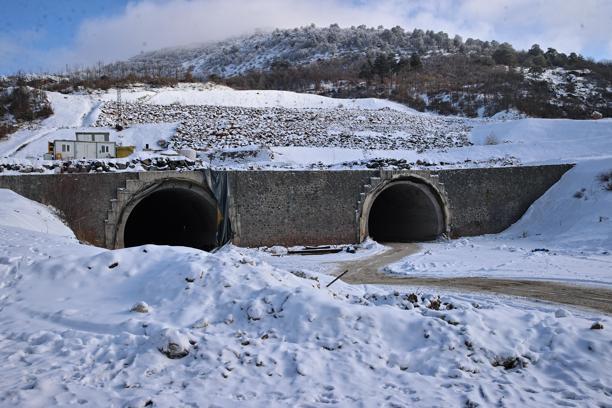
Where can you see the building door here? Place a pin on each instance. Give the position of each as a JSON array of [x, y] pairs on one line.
[[85, 150]]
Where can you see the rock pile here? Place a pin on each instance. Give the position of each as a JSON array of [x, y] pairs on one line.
[[218, 127], [102, 166]]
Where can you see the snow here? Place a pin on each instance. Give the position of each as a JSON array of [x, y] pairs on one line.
[[135, 135], [544, 140], [563, 236], [570, 221], [564, 83], [19, 212], [267, 99], [69, 111], [228, 328]]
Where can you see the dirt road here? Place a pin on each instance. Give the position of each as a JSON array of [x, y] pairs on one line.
[[368, 271]]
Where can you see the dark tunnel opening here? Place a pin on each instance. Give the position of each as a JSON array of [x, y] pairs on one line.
[[173, 216], [406, 212]]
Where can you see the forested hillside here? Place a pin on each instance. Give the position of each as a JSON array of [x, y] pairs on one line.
[[425, 70]]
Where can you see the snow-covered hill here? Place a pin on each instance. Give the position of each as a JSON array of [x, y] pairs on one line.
[[299, 46]]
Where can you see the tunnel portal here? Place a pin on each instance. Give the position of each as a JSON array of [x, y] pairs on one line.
[[406, 211], [173, 216]]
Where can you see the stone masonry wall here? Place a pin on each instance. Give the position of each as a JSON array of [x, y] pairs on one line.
[[299, 207], [83, 199], [295, 207], [489, 200]]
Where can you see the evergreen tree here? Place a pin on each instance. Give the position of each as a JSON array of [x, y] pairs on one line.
[[415, 61], [505, 55]]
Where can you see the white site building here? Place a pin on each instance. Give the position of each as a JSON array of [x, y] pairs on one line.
[[88, 145]]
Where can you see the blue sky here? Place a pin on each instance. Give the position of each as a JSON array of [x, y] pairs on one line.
[[40, 25], [47, 35]]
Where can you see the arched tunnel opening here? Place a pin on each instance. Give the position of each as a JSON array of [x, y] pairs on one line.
[[173, 216], [406, 211]]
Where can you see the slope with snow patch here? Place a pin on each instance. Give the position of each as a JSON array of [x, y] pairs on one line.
[[69, 111], [267, 99], [565, 235], [19, 212], [138, 135]]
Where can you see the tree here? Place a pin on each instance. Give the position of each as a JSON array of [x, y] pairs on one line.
[[457, 41], [415, 61], [505, 55], [383, 66], [535, 50], [366, 71], [552, 56], [539, 61]]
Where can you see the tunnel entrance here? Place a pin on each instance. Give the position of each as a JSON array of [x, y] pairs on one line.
[[406, 211], [173, 216]]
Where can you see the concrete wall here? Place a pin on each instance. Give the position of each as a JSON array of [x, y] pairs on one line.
[[292, 207]]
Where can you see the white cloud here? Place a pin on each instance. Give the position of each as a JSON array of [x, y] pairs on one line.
[[147, 26], [569, 25]]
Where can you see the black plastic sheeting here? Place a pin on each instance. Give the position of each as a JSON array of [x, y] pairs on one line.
[[218, 184]]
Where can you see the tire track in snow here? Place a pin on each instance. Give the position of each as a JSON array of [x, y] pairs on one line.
[[368, 271]]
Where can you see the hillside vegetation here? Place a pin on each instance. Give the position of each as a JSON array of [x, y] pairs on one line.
[[20, 104], [425, 70]]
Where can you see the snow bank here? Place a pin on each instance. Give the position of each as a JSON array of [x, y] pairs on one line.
[[19, 212], [227, 329], [565, 235], [541, 140], [575, 214], [266, 99]]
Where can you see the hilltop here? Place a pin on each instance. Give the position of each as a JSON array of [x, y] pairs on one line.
[[425, 70]]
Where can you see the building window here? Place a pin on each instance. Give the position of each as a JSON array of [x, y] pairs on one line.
[[104, 149], [65, 148]]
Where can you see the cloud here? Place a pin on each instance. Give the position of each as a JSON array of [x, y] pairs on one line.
[[146, 25]]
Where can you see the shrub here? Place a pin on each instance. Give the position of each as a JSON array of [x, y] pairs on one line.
[[6, 129], [491, 139], [606, 179], [29, 104]]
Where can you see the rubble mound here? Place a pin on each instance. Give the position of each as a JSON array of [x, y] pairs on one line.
[[221, 127]]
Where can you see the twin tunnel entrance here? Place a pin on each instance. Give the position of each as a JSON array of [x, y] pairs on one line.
[[188, 215]]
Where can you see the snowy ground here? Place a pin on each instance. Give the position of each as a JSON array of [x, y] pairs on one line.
[[243, 332]]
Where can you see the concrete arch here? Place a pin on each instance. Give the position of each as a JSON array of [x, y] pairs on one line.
[[169, 212], [404, 209]]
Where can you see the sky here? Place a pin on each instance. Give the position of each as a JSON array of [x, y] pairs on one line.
[[51, 35]]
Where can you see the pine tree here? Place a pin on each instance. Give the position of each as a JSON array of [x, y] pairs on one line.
[[415, 61]]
